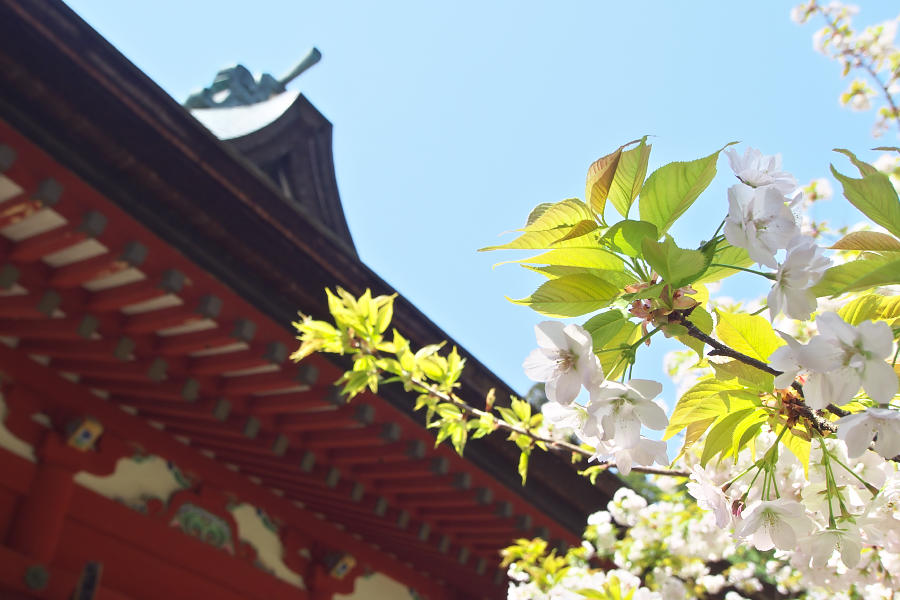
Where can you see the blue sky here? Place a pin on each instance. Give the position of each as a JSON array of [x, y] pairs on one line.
[[452, 120]]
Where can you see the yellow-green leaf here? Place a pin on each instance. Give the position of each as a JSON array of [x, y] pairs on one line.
[[591, 258], [868, 240], [874, 196], [629, 177], [748, 334], [671, 189], [599, 179], [867, 271], [708, 399], [571, 296]]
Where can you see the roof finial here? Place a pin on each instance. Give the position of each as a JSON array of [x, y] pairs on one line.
[[236, 86]]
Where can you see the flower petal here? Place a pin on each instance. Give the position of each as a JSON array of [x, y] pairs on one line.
[[538, 367], [564, 389], [550, 335]]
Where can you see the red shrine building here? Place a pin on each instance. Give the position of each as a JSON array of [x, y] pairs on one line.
[[155, 442]]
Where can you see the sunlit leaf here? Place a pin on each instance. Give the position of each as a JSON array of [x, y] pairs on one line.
[[708, 399], [671, 189], [629, 177], [867, 240], [720, 437], [676, 266], [748, 334], [726, 255], [628, 236], [599, 179], [571, 296], [875, 197], [866, 272]]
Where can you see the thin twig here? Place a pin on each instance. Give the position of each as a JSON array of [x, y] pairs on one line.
[[553, 444]]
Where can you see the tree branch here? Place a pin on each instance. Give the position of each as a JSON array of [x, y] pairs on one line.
[[720, 349]]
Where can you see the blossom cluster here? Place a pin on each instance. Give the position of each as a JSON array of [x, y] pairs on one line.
[[760, 220], [872, 51], [832, 523], [612, 418]]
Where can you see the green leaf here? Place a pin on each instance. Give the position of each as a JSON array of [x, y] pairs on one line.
[[523, 465], [522, 409], [708, 399], [868, 240], [570, 296], [605, 326], [550, 222], [720, 437], [745, 375], [747, 429], [581, 228], [565, 213], [628, 236], [599, 179], [591, 258], [629, 177], [864, 168], [867, 271], [870, 307], [671, 189], [620, 279], [875, 197], [726, 255], [612, 363], [748, 334], [694, 432], [676, 266]]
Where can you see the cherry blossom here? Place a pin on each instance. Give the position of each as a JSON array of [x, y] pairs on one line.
[[844, 357], [623, 407], [759, 221], [802, 268], [564, 360], [709, 495], [822, 544], [775, 524], [859, 429], [758, 170], [644, 453]]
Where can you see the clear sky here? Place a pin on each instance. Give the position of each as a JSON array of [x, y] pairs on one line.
[[453, 119]]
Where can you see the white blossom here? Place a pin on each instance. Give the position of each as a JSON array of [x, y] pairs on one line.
[[564, 360], [759, 221], [623, 408], [802, 268], [758, 170], [709, 495], [822, 544], [644, 453], [859, 429], [775, 524], [844, 357]]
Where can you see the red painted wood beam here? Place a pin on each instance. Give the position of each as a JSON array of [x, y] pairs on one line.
[[352, 416], [194, 309], [68, 328], [136, 371], [104, 351], [257, 355], [240, 330], [129, 254], [91, 225]]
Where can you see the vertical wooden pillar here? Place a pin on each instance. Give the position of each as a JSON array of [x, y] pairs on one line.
[[38, 522]]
